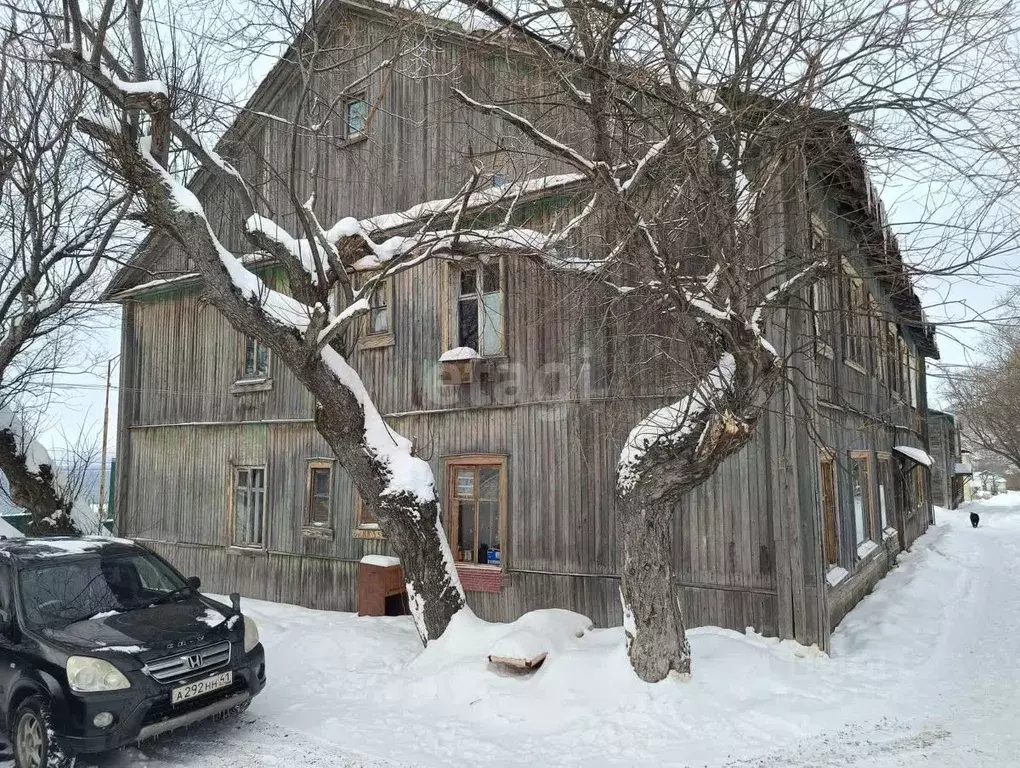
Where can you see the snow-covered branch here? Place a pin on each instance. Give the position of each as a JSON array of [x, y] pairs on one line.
[[670, 427], [541, 139]]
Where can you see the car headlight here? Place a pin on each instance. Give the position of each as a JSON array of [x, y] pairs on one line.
[[251, 635], [88, 675]]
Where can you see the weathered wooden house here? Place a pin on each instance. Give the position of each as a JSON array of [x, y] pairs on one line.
[[951, 469], [222, 471]]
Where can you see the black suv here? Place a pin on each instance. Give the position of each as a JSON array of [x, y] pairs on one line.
[[103, 643]]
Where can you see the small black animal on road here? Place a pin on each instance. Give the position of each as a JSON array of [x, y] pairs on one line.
[[975, 518]]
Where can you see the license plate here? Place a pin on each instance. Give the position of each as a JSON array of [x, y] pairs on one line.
[[201, 687]]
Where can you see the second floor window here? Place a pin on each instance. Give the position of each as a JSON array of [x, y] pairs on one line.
[[479, 317], [256, 359], [855, 320], [379, 315], [821, 301]]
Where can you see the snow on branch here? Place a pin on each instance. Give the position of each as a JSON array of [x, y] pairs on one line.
[[301, 250], [278, 306], [671, 425], [782, 292], [639, 170]]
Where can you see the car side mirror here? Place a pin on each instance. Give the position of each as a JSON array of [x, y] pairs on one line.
[[194, 583], [235, 602]]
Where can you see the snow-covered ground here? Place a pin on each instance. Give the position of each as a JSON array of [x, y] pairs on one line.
[[924, 671]]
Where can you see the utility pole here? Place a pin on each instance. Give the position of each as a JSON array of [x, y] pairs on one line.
[[102, 460]]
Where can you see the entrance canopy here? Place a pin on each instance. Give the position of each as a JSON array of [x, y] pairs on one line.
[[915, 455]]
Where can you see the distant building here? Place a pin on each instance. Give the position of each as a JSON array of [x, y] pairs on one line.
[[951, 468]]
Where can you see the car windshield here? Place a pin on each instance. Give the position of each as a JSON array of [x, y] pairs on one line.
[[62, 592]]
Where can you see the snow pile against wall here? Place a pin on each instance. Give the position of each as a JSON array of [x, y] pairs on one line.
[[751, 701]]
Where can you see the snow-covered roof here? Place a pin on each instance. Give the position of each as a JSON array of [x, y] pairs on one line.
[[914, 454]]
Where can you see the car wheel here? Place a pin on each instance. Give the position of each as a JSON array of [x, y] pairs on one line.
[[32, 737]]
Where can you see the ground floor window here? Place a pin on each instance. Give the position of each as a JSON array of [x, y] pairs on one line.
[[476, 493], [921, 489], [366, 525], [860, 482], [249, 506], [886, 493], [828, 470], [320, 494]]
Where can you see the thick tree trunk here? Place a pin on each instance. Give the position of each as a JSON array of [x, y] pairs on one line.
[[410, 523], [34, 490], [656, 642]]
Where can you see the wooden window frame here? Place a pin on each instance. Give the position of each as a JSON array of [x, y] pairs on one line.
[[450, 300], [920, 490], [869, 513], [854, 317], [367, 339], [830, 517], [914, 378], [892, 360], [355, 98], [364, 529], [880, 344], [232, 507], [450, 465], [254, 376], [821, 306], [886, 459], [309, 526]]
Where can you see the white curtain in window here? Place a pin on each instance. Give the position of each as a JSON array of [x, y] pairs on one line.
[[491, 332]]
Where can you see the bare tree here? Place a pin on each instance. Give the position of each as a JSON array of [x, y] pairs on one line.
[[693, 127], [986, 397], [309, 328], [59, 217]]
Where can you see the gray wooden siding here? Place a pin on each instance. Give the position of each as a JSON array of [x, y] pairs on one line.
[[575, 378]]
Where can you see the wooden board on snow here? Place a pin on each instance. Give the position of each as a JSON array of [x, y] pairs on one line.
[[518, 663]]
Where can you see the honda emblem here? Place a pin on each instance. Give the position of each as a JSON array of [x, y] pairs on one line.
[[194, 661]]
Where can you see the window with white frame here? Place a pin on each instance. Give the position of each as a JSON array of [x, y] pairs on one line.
[[860, 483], [478, 307], [249, 507]]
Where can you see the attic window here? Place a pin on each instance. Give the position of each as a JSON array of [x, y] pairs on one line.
[[356, 116]]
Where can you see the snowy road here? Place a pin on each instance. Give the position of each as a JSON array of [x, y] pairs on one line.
[[923, 672]]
